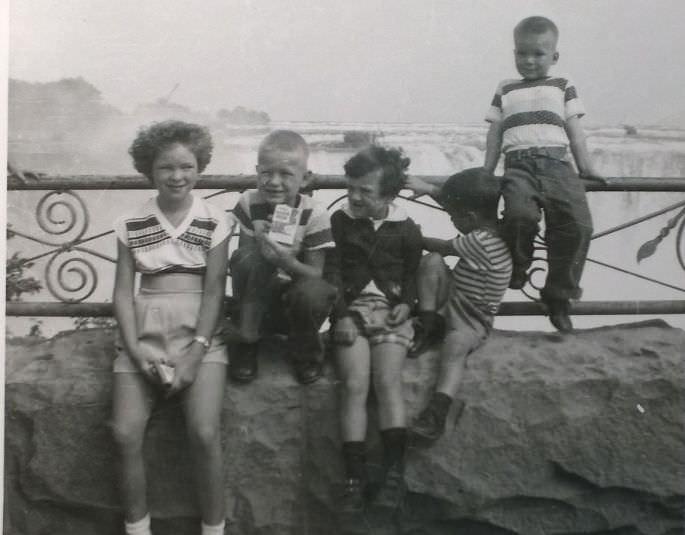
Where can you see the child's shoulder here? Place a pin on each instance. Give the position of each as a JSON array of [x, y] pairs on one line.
[[208, 208], [144, 209]]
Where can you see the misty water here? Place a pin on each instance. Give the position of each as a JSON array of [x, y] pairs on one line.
[[435, 149]]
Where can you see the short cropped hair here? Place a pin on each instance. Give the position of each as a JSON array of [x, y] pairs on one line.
[[151, 140], [285, 140], [391, 161], [536, 25], [472, 189]]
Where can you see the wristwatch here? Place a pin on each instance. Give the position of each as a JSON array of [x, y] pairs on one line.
[[202, 341]]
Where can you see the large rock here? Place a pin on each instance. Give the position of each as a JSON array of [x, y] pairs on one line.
[[560, 435]]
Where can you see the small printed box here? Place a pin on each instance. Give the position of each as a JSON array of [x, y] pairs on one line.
[[166, 374], [284, 224]]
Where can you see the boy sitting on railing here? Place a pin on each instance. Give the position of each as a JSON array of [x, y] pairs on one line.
[[534, 120], [457, 306], [276, 270]]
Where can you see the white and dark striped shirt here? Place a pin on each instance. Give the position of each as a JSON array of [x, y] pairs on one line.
[[484, 268], [534, 113], [159, 247], [313, 228]]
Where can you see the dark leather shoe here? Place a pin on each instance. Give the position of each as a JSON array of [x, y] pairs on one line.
[[352, 497], [559, 314], [308, 371], [242, 366], [428, 426], [392, 491]]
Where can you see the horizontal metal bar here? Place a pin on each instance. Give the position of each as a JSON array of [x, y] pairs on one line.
[[511, 308], [241, 182]]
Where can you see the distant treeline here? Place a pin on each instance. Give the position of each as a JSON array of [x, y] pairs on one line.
[[52, 111], [67, 127]]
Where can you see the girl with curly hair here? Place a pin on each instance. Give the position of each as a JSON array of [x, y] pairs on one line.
[[168, 341]]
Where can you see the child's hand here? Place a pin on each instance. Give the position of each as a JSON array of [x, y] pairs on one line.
[[588, 172], [398, 314], [594, 177], [419, 186], [147, 363], [185, 370], [274, 252], [345, 332]]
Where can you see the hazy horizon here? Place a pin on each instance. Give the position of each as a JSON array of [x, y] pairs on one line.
[[371, 61]]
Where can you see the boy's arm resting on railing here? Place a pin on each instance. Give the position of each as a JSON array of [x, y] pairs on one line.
[[581, 155]]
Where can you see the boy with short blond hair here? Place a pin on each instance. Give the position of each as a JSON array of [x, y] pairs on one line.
[[279, 284], [534, 121]]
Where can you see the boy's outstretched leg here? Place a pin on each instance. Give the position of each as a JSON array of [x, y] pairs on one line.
[[251, 278], [521, 217], [432, 287], [430, 424], [307, 303], [569, 230]]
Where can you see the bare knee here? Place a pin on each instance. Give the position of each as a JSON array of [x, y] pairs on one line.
[[431, 263], [128, 436], [356, 388], [204, 435], [388, 386]]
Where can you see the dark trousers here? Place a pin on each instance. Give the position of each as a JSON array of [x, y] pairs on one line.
[[294, 308], [535, 183]]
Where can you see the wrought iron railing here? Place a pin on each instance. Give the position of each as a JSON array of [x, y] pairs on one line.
[[71, 277]]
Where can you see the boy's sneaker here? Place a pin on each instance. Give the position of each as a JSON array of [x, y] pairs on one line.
[[428, 425], [558, 310], [352, 496], [242, 366], [392, 490], [308, 371], [518, 280]]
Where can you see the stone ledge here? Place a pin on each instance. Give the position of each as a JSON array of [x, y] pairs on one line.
[[576, 434]]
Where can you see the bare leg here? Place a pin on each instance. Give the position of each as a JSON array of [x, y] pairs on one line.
[[455, 348], [203, 403], [387, 361], [131, 407], [354, 370], [432, 282]]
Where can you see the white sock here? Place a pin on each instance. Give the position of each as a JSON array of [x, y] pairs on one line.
[[139, 527], [213, 530]]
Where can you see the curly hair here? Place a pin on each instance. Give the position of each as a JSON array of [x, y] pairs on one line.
[[391, 160], [151, 140]]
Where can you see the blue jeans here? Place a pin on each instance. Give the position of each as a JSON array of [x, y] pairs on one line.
[[534, 183]]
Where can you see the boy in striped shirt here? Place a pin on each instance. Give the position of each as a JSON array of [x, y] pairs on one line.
[[457, 306], [534, 121], [281, 286]]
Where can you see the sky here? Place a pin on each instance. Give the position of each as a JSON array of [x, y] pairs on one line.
[[352, 60]]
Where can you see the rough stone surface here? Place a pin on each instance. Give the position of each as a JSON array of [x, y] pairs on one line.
[[581, 434]]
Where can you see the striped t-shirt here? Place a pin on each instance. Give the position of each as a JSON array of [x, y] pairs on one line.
[[533, 113], [313, 229], [159, 247], [484, 268]]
